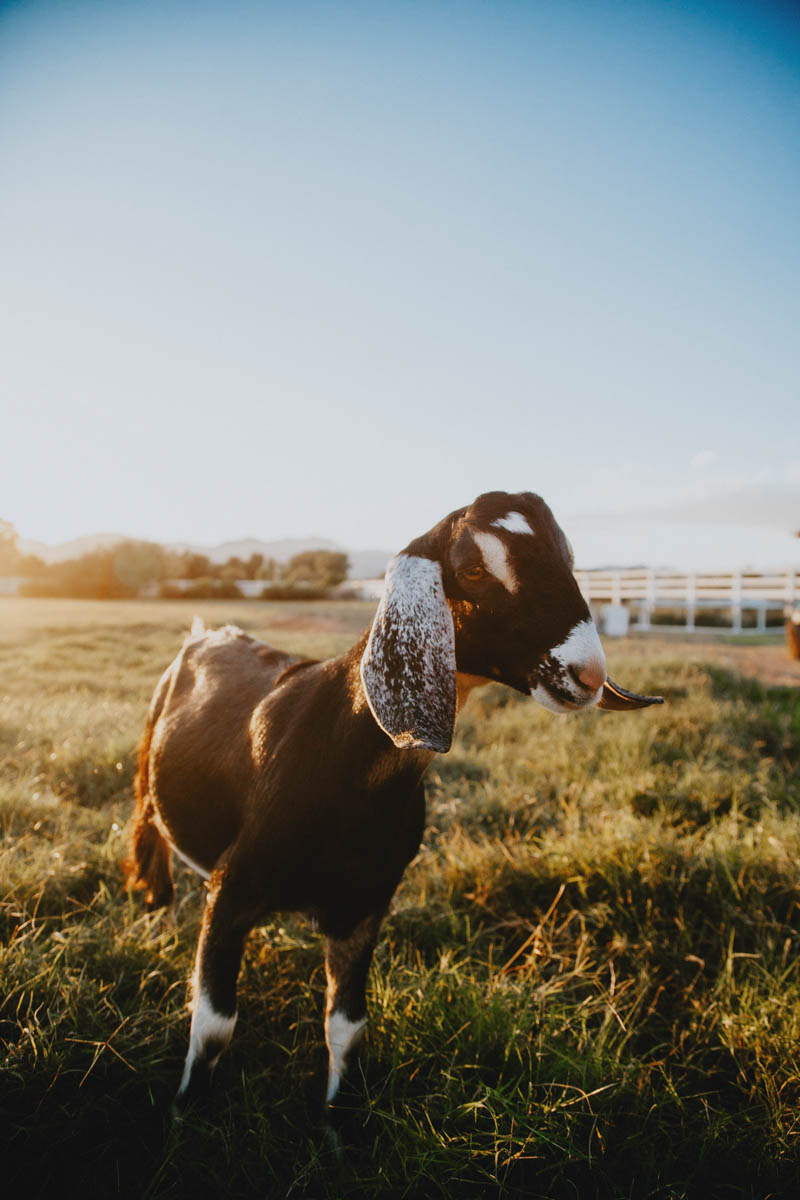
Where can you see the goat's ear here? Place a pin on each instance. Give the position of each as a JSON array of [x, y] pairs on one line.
[[409, 666]]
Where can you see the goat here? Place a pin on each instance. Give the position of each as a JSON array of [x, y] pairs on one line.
[[297, 785]]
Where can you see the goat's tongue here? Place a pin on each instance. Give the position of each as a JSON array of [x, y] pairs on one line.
[[617, 698]]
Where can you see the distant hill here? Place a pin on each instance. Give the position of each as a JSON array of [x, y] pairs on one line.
[[72, 549], [281, 550], [364, 564], [598, 539]]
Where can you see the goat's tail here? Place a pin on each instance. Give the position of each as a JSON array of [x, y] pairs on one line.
[[149, 865]]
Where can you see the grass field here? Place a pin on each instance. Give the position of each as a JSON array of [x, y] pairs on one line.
[[589, 983]]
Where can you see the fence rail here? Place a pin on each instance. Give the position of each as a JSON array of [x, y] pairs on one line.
[[647, 591]]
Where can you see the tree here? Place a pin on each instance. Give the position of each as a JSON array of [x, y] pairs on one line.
[[232, 570], [30, 565], [107, 574], [253, 566], [318, 568], [92, 575], [9, 551], [138, 563], [268, 569], [196, 566]]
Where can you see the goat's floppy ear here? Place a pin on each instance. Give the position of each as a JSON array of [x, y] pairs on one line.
[[409, 666]]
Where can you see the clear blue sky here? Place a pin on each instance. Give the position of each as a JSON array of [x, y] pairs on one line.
[[286, 268]]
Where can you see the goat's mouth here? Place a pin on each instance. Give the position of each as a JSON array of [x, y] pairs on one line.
[[556, 697], [546, 697], [553, 689], [561, 688]]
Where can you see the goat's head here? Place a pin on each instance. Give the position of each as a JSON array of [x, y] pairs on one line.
[[488, 592]]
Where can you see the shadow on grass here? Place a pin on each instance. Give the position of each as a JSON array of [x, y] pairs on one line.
[[112, 1137], [728, 685]]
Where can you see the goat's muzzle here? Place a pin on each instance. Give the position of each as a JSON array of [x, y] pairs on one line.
[[617, 698]]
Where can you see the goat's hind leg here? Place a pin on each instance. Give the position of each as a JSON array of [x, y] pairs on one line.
[[150, 863], [219, 954], [347, 962]]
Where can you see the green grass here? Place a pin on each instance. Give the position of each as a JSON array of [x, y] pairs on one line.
[[588, 984]]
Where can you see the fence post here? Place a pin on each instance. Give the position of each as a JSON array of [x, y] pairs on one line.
[[642, 587], [737, 601], [648, 603]]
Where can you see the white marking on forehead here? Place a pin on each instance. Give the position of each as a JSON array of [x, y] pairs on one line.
[[514, 522], [495, 557]]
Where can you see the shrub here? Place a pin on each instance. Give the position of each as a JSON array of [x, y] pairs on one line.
[[212, 589], [201, 589], [289, 591]]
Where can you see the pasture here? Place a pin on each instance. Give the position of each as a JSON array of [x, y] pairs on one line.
[[588, 985]]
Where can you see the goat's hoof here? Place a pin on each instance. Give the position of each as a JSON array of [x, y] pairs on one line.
[[333, 1138], [194, 1093], [182, 1102]]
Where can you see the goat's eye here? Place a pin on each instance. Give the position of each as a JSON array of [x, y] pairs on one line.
[[473, 574]]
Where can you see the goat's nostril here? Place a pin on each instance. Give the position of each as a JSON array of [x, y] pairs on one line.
[[589, 676]]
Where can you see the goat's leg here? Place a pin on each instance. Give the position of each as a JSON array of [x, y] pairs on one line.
[[347, 962], [150, 863], [219, 954]]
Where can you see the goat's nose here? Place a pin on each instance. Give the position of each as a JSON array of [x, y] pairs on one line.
[[590, 675]]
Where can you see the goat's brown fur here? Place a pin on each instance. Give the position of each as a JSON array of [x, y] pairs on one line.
[[150, 863], [297, 786]]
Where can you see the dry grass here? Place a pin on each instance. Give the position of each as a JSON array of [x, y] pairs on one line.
[[588, 984]]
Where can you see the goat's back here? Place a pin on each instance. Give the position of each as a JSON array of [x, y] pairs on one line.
[[200, 764]]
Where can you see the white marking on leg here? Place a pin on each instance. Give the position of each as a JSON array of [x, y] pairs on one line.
[[495, 556], [340, 1035], [208, 1026], [514, 522]]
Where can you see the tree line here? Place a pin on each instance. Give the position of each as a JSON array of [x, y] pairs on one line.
[[129, 567]]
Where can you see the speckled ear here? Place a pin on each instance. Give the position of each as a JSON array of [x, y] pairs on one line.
[[409, 666]]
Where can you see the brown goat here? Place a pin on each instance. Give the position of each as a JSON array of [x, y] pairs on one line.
[[293, 785]]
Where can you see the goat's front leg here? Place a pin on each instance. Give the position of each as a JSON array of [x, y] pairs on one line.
[[219, 954], [347, 962]]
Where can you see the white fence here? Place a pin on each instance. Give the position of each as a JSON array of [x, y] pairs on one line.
[[640, 591], [646, 591], [11, 584]]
